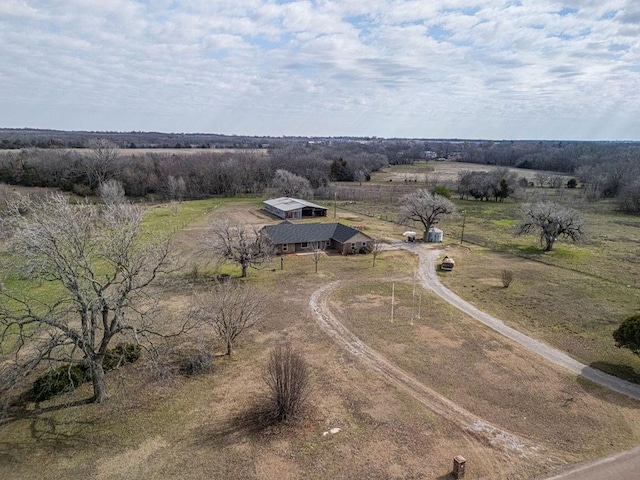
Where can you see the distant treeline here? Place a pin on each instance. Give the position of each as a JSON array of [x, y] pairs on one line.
[[558, 156], [195, 175], [604, 169]]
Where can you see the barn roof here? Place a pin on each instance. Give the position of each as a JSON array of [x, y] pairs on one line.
[[287, 204], [287, 232]]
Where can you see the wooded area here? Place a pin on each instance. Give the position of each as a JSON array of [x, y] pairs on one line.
[[79, 161]]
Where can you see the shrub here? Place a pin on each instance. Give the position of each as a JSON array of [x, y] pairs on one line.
[[287, 376], [121, 354], [441, 190], [507, 278], [197, 363], [572, 183], [68, 377], [627, 335], [60, 380]]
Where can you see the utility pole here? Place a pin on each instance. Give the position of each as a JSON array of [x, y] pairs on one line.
[[335, 203], [464, 218], [413, 299], [393, 297]]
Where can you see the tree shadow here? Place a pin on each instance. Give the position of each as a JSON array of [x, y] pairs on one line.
[[46, 430], [254, 421], [626, 372], [257, 421], [19, 410], [623, 372]]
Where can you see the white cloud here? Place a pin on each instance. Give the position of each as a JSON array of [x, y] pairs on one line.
[[454, 68]]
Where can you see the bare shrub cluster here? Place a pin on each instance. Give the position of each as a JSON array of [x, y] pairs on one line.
[[287, 376], [507, 278]]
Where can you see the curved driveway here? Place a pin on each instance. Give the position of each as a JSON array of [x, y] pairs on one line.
[[620, 465], [430, 281]]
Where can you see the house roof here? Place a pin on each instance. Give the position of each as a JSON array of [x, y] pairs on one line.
[[287, 204], [287, 232]]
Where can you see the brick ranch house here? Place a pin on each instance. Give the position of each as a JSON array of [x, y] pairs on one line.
[[288, 237]]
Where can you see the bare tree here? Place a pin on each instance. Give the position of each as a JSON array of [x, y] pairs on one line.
[[231, 308], [100, 166], [317, 249], [376, 247], [240, 245], [287, 376], [542, 178], [176, 188], [629, 197], [111, 192], [100, 270], [556, 181], [291, 185], [552, 221], [426, 208]]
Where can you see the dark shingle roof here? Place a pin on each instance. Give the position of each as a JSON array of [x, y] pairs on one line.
[[342, 233], [287, 232]]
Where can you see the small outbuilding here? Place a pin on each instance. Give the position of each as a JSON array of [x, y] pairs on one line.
[[435, 235]]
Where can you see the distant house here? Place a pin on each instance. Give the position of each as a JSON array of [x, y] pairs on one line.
[[288, 237], [291, 208]]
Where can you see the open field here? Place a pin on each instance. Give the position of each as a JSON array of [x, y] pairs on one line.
[[442, 172], [161, 425]]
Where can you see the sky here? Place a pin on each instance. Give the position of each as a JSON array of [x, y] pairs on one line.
[[490, 69]]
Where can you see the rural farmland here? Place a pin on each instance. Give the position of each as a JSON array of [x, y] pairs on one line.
[[405, 383], [291, 240]]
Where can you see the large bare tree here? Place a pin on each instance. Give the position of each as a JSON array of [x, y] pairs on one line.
[[425, 207], [97, 267], [551, 221], [239, 244], [230, 309]]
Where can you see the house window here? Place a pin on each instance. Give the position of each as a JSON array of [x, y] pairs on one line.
[[303, 245], [285, 247]]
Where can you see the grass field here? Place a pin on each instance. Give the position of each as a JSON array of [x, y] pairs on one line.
[[159, 424]]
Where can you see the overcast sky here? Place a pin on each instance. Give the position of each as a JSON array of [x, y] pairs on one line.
[[529, 69]]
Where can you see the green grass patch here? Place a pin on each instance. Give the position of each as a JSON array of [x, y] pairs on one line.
[[169, 218], [505, 222]]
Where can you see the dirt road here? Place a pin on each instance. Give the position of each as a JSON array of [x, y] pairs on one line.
[[425, 395]]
